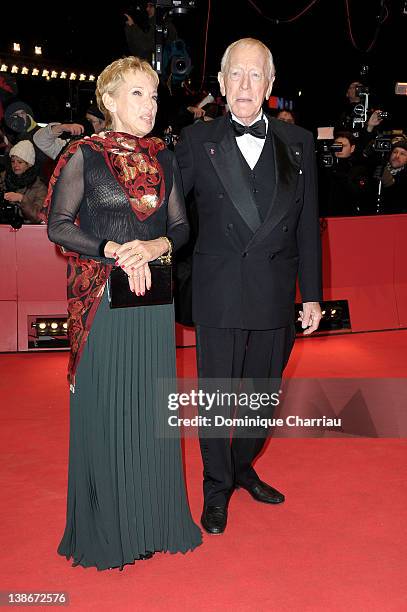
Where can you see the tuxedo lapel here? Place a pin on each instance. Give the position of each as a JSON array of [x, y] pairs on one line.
[[225, 159], [287, 163]]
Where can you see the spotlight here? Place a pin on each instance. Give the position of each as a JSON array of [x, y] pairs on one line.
[[47, 332], [91, 77], [45, 73], [14, 69], [3, 68], [24, 70], [16, 47], [62, 75], [38, 50], [35, 72], [54, 74], [72, 76]]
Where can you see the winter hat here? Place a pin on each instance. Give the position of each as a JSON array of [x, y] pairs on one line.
[[401, 143], [14, 107], [25, 151], [93, 110]]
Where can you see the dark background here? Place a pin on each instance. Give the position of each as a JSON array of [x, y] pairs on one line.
[[313, 54]]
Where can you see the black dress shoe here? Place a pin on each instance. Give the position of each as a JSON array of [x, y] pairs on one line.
[[214, 519], [262, 492]]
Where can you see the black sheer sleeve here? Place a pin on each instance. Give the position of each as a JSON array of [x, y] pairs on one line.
[[66, 200], [177, 224]]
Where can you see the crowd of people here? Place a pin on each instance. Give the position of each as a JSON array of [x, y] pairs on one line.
[[367, 176]]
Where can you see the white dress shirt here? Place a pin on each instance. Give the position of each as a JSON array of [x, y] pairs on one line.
[[250, 146]]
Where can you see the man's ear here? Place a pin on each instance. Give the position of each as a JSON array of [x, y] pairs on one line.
[[221, 81], [109, 102], [270, 87]]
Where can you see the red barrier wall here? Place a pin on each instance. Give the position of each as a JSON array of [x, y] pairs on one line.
[[364, 262]]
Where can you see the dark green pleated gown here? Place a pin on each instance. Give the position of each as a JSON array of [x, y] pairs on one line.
[[126, 491]]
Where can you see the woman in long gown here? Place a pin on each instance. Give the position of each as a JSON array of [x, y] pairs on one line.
[[116, 198]]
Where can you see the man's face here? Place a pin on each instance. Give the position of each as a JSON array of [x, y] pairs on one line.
[[98, 125], [351, 93], [347, 147], [398, 158], [286, 116], [246, 82], [150, 8]]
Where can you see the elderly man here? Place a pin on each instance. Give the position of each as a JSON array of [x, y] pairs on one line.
[[255, 188]]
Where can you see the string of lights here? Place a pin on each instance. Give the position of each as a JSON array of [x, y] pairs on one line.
[[14, 63], [278, 21]]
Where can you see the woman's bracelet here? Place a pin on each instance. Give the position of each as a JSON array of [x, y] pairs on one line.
[[167, 257]]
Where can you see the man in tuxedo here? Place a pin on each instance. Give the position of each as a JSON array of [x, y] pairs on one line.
[[254, 181]]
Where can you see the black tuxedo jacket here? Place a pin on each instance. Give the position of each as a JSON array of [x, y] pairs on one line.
[[244, 271]]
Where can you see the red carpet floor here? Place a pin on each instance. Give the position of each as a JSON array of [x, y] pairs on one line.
[[338, 543]]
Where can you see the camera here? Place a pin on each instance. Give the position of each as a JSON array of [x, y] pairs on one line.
[[382, 144], [176, 6], [10, 214], [362, 90], [327, 151]]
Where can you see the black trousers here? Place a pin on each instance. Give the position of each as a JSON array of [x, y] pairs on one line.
[[237, 354]]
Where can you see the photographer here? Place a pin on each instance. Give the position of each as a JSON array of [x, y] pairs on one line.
[[48, 139], [21, 186], [139, 30], [344, 183], [394, 179]]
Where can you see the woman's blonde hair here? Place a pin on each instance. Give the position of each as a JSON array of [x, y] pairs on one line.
[[112, 77]]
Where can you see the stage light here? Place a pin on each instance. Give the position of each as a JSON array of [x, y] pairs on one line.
[[54, 74], [82, 77], [3, 68], [47, 332], [38, 50], [14, 69], [35, 72], [45, 73], [72, 76], [91, 77], [300, 93], [16, 47], [62, 75], [24, 70]]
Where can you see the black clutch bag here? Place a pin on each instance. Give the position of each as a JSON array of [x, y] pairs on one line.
[[120, 295]]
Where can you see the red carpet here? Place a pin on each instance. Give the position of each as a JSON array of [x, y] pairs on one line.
[[338, 543]]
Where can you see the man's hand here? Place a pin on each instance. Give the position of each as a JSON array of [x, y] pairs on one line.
[[129, 20], [73, 128], [310, 317], [196, 111], [374, 121], [12, 196]]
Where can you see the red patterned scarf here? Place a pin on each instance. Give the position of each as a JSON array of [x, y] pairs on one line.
[[133, 162]]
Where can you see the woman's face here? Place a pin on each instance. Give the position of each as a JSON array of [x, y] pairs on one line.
[[18, 165], [134, 105]]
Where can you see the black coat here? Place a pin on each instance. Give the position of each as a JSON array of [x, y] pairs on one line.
[[244, 271]]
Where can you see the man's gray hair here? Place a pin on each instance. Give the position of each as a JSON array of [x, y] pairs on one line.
[[248, 42]]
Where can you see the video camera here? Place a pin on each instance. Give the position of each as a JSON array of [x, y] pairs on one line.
[[326, 152]]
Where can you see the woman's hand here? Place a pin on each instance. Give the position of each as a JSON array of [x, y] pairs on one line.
[[12, 196], [135, 254], [111, 248], [140, 279]]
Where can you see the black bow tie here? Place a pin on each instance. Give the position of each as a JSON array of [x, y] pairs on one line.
[[258, 129]]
